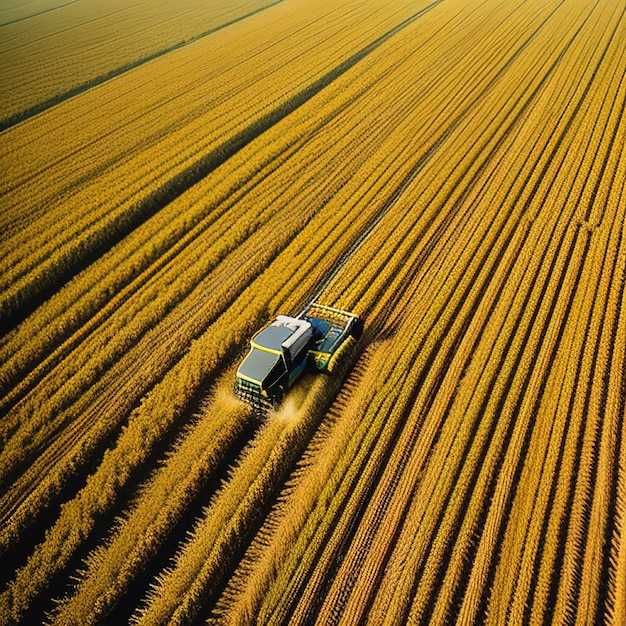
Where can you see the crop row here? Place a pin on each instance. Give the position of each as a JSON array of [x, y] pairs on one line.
[[55, 543], [312, 250], [295, 594], [282, 593], [39, 61], [460, 185], [321, 235], [226, 235], [148, 151]]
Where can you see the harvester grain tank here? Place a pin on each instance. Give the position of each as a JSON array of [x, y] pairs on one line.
[[313, 341]]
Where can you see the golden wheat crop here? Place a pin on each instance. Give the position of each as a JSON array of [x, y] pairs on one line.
[[453, 172]]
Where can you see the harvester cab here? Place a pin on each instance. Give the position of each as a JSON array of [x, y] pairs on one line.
[[280, 353]]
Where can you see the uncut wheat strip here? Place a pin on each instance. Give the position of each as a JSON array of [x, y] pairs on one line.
[[439, 534], [411, 523], [75, 19], [199, 193], [445, 538], [456, 551], [224, 59], [246, 588], [365, 244], [295, 47], [600, 240], [517, 518], [511, 462], [366, 575], [460, 522], [604, 426], [350, 194], [552, 456], [476, 584], [126, 181], [527, 484], [573, 22], [161, 501], [616, 594], [584, 553], [380, 259], [372, 556], [17, 286], [408, 576], [614, 411], [196, 355], [459, 555], [482, 560]]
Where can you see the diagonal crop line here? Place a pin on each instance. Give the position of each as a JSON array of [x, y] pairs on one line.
[[16, 311], [27, 17], [98, 80], [423, 160]]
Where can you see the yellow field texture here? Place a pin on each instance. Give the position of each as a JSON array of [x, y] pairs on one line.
[[51, 50], [454, 171]]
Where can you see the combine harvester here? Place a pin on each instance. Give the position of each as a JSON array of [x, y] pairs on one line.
[[314, 341]]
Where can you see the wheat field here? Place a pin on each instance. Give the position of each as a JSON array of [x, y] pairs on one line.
[[175, 176]]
